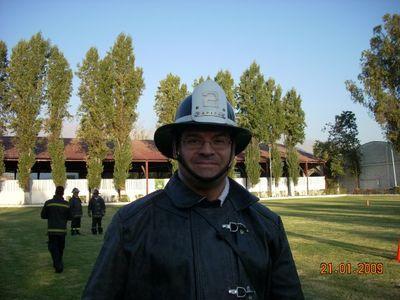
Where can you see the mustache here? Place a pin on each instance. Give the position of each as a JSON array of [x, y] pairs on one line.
[[207, 160]]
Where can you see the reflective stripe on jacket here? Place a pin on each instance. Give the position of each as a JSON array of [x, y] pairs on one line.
[[57, 213]]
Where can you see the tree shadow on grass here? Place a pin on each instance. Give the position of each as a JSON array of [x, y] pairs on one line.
[[388, 236], [346, 246], [354, 207], [386, 218]]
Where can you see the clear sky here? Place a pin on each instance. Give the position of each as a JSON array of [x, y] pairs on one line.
[[313, 46]]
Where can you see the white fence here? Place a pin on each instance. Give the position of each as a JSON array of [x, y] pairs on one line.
[[43, 189]]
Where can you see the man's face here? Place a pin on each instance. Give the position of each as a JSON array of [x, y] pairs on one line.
[[206, 152]]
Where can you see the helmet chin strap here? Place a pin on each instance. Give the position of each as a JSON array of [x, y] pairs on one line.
[[205, 179]]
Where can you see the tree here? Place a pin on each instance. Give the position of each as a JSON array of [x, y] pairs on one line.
[[196, 82], [59, 88], [169, 95], [253, 107], [225, 80], [252, 159], [380, 78], [274, 125], [293, 131], [123, 86], [94, 111], [341, 151], [334, 163], [3, 100], [26, 81], [276, 163]]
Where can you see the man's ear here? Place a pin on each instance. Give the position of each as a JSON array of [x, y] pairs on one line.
[[175, 150], [233, 144]]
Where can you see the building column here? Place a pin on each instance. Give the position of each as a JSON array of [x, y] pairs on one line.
[[147, 177], [307, 177]]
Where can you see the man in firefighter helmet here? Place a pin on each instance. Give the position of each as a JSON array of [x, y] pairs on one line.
[[203, 236]]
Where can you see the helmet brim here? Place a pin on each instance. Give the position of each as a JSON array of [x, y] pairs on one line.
[[165, 136]]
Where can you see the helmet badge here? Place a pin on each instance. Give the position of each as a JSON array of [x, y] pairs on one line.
[[210, 99]]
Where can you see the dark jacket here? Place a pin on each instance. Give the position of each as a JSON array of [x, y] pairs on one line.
[[57, 213], [96, 207], [167, 246], [75, 205]]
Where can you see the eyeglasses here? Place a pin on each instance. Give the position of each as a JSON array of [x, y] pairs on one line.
[[218, 143]]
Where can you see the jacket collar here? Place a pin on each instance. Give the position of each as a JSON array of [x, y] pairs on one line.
[[240, 197], [183, 197], [58, 198], [180, 194]]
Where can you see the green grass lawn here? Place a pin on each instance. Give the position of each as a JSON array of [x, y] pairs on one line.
[[332, 230]]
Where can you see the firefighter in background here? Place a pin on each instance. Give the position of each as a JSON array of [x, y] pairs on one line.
[[96, 210], [57, 213], [75, 205]]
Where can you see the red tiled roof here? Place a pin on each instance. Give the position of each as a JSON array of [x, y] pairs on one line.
[[142, 150], [75, 150], [304, 157]]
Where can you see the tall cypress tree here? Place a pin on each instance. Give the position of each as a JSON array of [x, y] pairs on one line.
[[94, 111], [225, 80], [252, 159], [59, 87], [252, 106], [127, 85], [3, 99], [276, 162], [294, 131], [170, 93], [275, 124], [26, 83], [199, 80]]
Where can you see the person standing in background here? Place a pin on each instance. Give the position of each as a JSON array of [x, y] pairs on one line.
[[75, 205], [57, 213], [96, 210]]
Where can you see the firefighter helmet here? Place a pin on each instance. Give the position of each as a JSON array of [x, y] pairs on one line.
[[206, 107]]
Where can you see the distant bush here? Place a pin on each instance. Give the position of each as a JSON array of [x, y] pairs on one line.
[[123, 198], [394, 190], [335, 191], [159, 184]]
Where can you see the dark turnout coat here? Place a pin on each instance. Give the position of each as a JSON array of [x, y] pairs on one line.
[[168, 246], [57, 213], [75, 204], [97, 206]]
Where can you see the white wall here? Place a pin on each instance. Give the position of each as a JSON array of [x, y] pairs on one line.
[[43, 189], [11, 193]]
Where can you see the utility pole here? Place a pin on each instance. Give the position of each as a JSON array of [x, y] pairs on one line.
[[270, 160], [393, 164], [270, 169]]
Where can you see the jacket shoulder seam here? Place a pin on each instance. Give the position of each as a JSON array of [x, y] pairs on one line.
[[139, 205], [266, 213]]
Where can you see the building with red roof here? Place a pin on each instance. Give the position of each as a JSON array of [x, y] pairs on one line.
[[147, 161]]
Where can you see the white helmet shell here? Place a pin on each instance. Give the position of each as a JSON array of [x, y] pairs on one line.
[[209, 105]]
